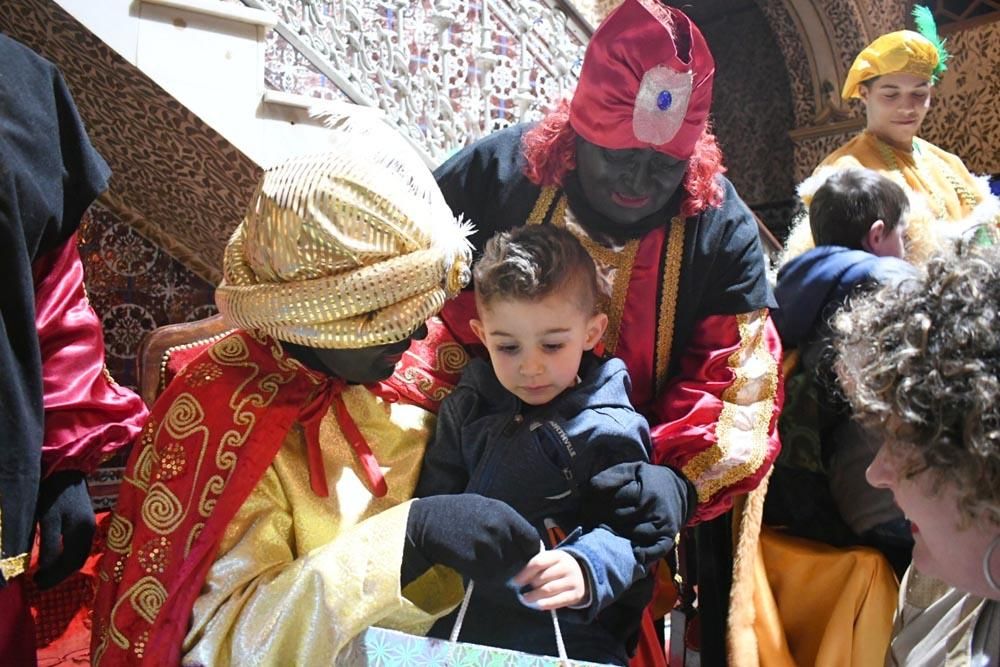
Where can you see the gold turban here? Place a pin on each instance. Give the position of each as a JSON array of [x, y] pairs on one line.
[[901, 51], [354, 247]]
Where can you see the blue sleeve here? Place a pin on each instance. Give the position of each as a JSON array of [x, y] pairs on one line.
[[609, 564], [611, 436]]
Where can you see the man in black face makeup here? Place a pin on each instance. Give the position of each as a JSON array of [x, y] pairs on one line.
[[631, 167]]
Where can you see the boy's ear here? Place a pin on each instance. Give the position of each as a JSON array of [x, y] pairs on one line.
[[478, 329], [873, 239], [596, 326]]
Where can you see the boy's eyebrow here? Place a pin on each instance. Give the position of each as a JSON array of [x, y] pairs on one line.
[[554, 330]]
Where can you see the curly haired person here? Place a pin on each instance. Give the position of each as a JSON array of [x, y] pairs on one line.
[[920, 364]]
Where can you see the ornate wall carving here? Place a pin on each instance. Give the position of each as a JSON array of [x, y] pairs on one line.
[[965, 113], [446, 72], [135, 286], [177, 180], [752, 106]]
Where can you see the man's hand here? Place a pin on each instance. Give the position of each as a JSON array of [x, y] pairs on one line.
[[646, 503], [481, 538], [66, 527], [553, 579]]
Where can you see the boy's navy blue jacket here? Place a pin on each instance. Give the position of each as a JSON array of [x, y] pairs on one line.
[[840, 507], [817, 282], [539, 459]]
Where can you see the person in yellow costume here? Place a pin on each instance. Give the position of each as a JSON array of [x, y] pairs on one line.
[[894, 77], [265, 514]]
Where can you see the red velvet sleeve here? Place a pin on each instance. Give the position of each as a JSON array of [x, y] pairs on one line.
[[717, 420], [87, 415]]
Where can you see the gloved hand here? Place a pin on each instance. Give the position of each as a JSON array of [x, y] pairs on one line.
[[646, 503], [66, 527], [481, 538]]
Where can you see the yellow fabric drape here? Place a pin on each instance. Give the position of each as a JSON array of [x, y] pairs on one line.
[[819, 605], [298, 576]]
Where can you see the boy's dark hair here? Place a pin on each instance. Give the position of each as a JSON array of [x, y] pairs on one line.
[[532, 262], [849, 202]]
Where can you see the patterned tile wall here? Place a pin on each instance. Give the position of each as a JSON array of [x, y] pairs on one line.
[[135, 286]]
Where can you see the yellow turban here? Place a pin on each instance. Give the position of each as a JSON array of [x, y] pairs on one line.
[[351, 248], [901, 51]]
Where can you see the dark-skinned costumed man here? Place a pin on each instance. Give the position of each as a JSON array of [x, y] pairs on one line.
[[631, 167], [266, 514]]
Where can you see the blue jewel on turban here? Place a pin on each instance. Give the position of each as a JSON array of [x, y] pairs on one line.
[[664, 100]]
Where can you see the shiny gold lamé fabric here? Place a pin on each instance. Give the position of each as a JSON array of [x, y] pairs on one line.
[[350, 248], [298, 577]]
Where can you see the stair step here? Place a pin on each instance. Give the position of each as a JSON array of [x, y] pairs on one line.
[[223, 10]]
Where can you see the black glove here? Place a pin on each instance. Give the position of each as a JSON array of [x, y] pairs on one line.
[[66, 527], [482, 538], [646, 503]]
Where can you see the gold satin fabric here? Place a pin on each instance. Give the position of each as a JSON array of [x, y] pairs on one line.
[[929, 178], [298, 577], [821, 606]]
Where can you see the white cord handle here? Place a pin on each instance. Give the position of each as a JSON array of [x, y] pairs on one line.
[[457, 628]]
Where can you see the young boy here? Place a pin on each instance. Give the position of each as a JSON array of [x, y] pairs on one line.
[[857, 218], [533, 429]]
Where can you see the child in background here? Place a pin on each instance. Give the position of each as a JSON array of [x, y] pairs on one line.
[[534, 429], [857, 218]]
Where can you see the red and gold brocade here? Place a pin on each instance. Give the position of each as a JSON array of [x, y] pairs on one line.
[[217, 513]]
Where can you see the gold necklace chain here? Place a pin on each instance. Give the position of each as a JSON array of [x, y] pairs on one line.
[[966, 196]]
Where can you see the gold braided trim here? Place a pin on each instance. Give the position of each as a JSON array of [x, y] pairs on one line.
[[752, 352], [668, 300], [14, 566], [968, 198], [542, 205], [748, 514]]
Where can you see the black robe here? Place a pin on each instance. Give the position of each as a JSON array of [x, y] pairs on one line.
[[49, 176]]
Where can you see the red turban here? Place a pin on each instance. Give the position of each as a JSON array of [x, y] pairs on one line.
[[646, 81]]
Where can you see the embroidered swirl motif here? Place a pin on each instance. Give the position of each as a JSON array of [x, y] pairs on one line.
[[213, 488], [147, 597], [229, 351], [425, 384], [120, 531], [161, 510], [145, 459], [451, 357], [192, 536], [184, 417]]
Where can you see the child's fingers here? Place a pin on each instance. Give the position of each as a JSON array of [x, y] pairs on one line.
[[536, 568], [547, 591], [556, 601]]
